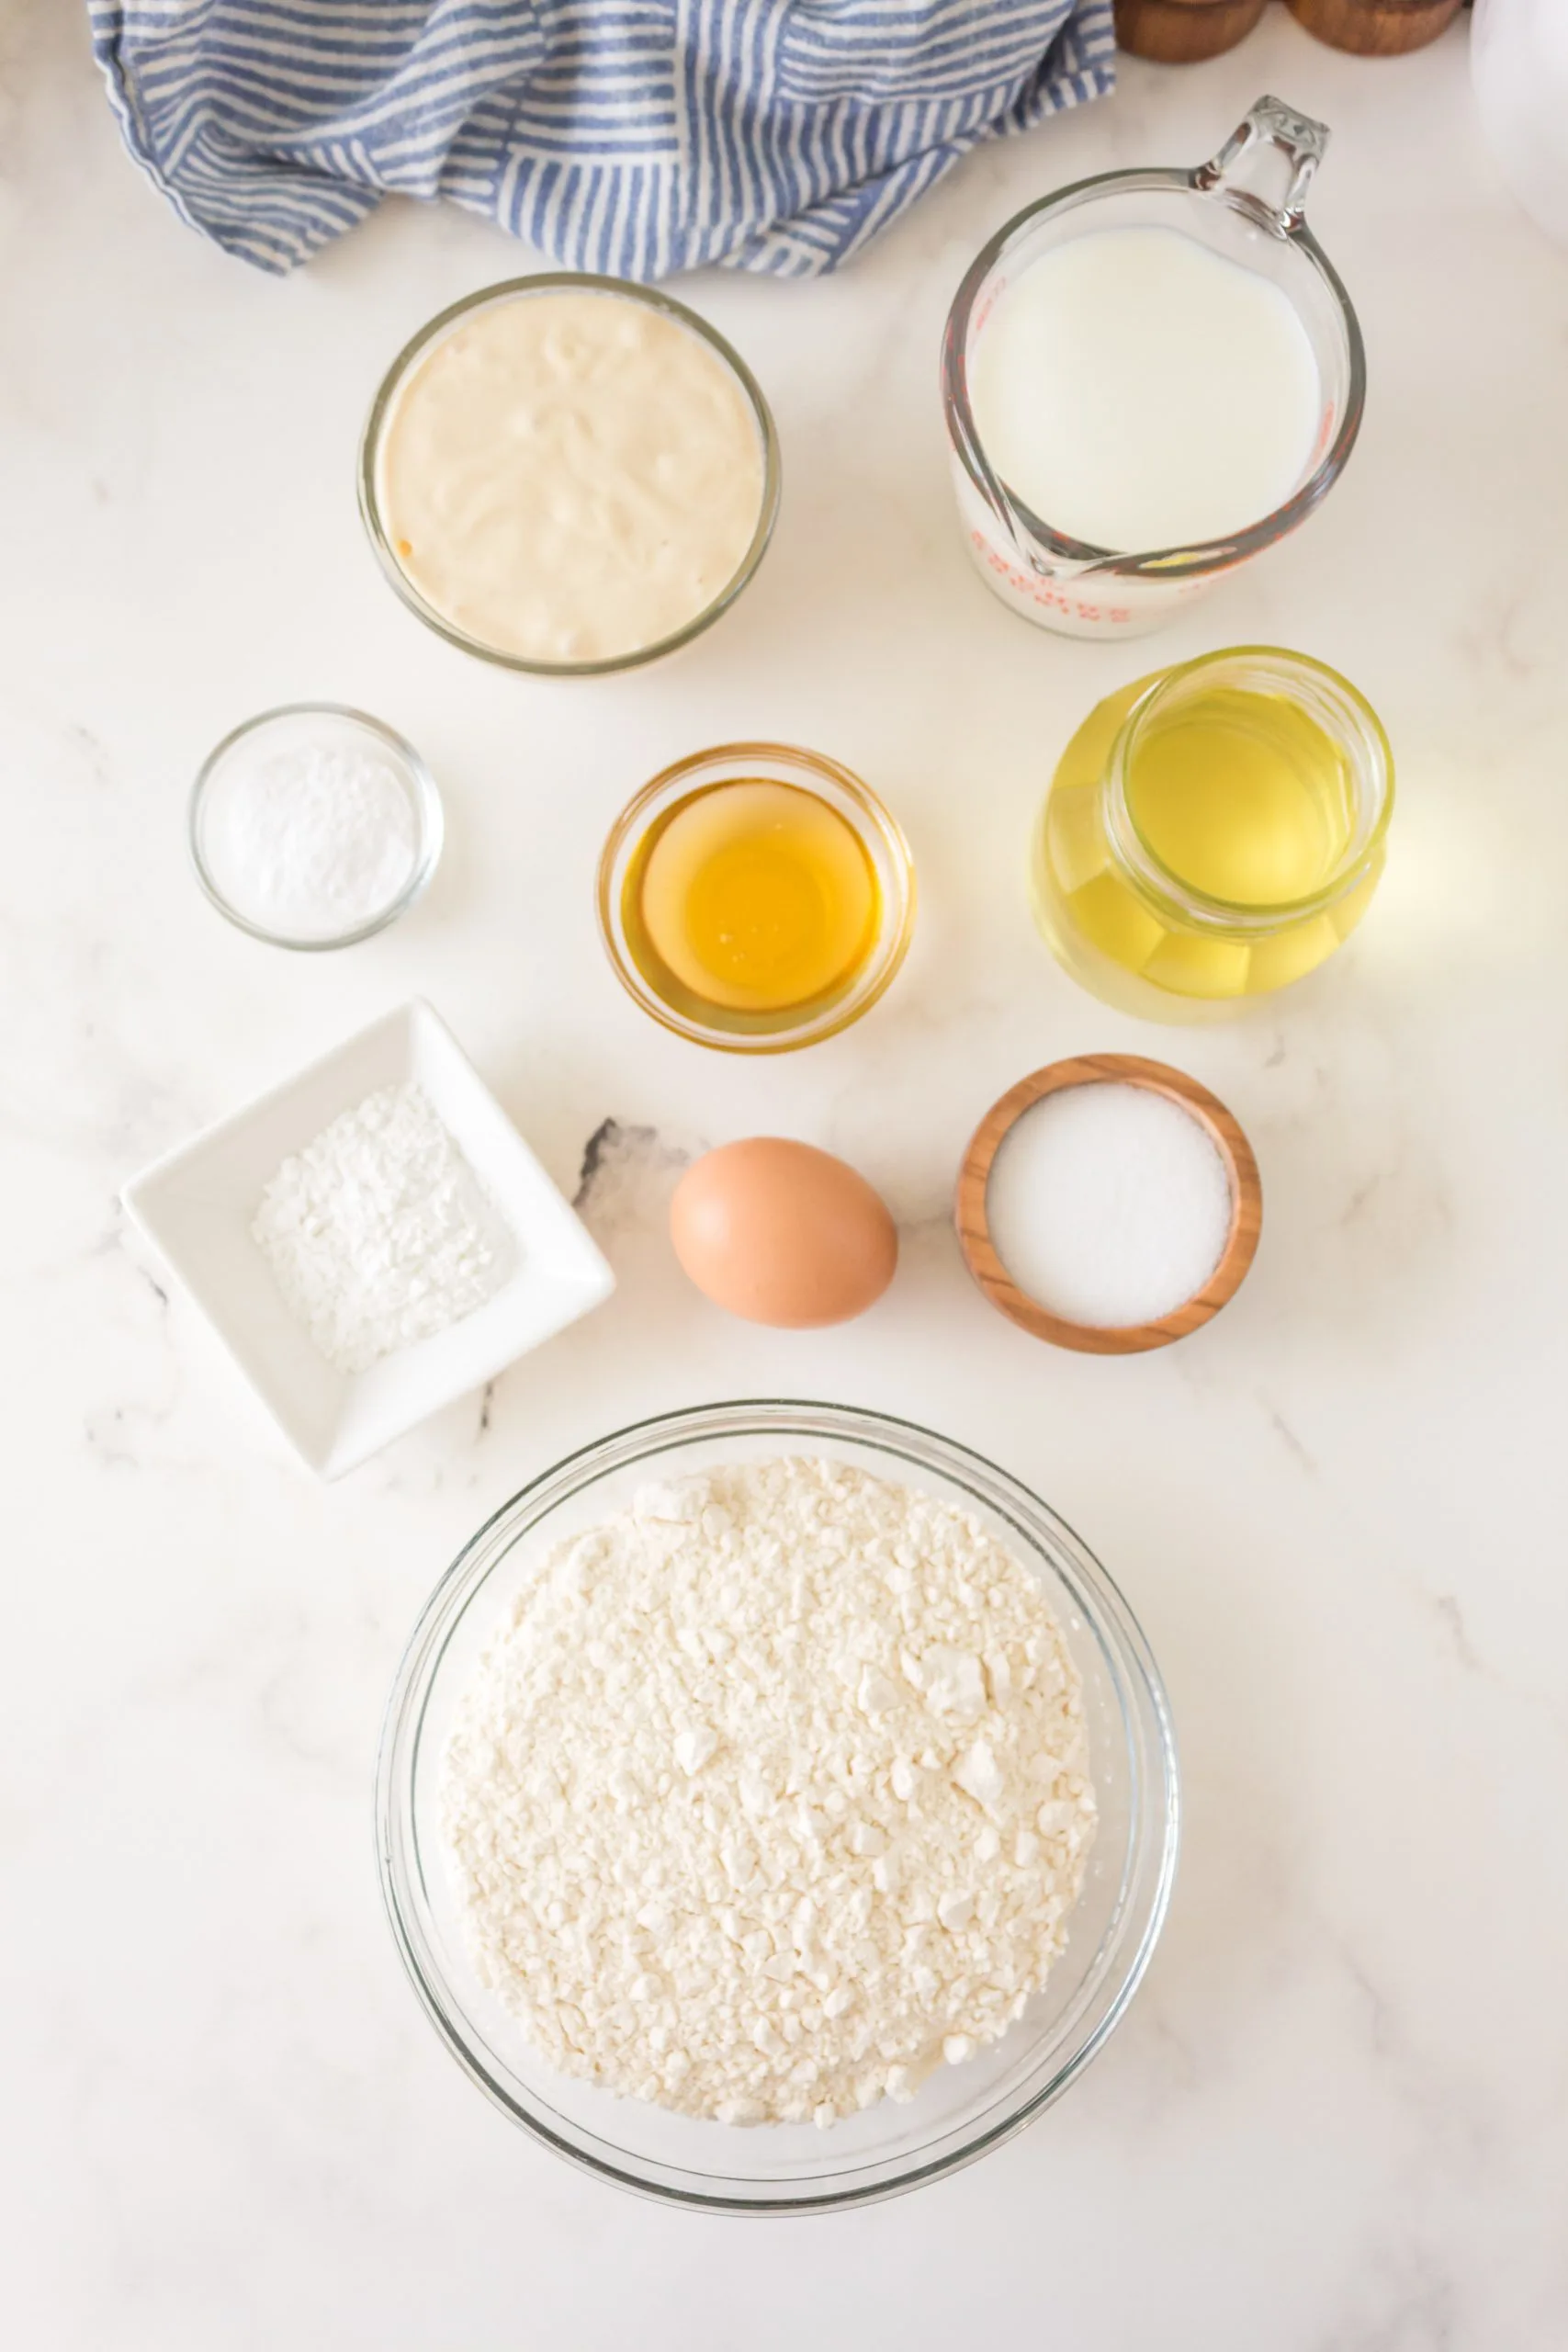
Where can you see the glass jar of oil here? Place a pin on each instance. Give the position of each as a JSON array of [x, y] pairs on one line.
[[756, 898], [1213, 833]]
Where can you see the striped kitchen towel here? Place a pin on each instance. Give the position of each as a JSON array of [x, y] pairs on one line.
[[632, 136]]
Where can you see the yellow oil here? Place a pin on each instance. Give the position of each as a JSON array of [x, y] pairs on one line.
[[1243, 799], [751, 902]]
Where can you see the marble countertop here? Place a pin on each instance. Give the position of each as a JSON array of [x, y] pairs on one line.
[[1336, 2117]]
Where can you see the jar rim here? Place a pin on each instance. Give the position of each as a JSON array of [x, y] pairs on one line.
[[1355, 729]]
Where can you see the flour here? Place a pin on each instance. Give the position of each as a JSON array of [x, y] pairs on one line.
[[771, 1795], [379, 1233]]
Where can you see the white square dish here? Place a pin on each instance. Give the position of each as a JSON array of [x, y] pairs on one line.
[[197, 1206]]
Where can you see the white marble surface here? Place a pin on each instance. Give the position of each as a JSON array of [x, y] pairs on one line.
[[1335, 2120]]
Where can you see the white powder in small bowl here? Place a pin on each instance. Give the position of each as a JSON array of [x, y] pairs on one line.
[[1109, 1205], [309, 825]]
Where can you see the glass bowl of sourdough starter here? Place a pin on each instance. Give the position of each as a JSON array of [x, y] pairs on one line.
[[960, 2111], [528, 529]]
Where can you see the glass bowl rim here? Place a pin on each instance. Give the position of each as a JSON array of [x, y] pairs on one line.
[[885, 961], [653, 297], [428, 808], [1197, 557], [1157, 1797]]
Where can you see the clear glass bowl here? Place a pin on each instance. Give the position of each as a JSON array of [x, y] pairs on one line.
[[616, 289], [289, 726], [879, 835], [961, 2111]]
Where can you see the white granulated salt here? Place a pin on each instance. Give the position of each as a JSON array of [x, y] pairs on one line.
[[1108, 1204], [379, 1233], [770, 1795], [308, 829]]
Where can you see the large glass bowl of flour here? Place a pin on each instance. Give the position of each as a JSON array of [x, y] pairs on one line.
[[960, 2111]]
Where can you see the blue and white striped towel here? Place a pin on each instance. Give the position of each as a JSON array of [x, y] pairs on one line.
[[633, 136]]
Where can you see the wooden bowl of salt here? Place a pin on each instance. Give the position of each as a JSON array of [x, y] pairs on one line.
[[1108, 1204]]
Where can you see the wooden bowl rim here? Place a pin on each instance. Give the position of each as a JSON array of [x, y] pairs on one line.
[[1097, 1069], [1194, 7]]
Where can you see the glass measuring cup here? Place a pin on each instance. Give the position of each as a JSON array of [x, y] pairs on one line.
[[1246, 205]]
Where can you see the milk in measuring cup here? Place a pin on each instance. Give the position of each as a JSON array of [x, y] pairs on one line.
[[1137, 392]]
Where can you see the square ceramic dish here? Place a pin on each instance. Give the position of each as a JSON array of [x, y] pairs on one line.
[[196, 1207]]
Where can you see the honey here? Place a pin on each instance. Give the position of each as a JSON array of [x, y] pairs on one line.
[[1214, 833], [749, 902]]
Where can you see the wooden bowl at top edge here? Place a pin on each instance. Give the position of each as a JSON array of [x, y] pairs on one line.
[[1375, 27], [1183, 32], [1097, 1339]]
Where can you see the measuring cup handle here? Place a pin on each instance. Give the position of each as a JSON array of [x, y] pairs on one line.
[[1272, 135]]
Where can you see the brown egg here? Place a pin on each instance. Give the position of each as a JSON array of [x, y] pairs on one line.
[[781, 1233]]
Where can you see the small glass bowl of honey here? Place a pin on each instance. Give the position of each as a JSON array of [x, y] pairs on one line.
[[756, 898], [1213, 833]]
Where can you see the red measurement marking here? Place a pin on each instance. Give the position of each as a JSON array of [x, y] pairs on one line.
[[1026, 584]]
